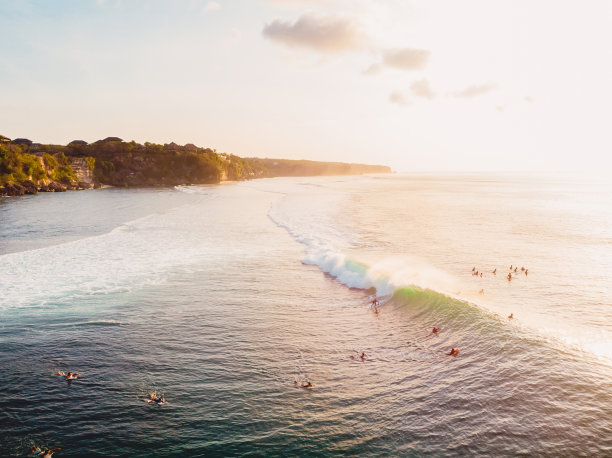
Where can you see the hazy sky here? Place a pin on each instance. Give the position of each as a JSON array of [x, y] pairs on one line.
[[417, 85]]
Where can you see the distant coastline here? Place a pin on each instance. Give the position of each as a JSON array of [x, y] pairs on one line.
[[28, 168]]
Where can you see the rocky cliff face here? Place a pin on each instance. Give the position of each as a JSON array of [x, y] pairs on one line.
[[83, 173], [83, 179]]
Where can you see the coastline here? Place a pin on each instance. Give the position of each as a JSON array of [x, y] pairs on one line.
[[28, 168]]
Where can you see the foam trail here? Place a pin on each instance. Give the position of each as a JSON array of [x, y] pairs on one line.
[[324, 249]]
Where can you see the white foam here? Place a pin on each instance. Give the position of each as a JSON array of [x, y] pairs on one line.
[[135, 254], [311, 219]]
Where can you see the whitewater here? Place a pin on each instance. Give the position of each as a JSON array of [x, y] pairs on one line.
[[221, 297]]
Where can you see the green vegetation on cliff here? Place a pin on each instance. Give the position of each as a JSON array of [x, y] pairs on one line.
[[115, 162]]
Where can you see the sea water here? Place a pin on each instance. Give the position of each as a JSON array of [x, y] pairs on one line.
[[222, 297]]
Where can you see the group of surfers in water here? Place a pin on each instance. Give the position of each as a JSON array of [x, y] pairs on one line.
[[513, 269], [453, 351], [153, 397], [48, 452], [374, 305]]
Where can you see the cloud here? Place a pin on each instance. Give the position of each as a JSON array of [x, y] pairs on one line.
[[322, 34], [212, 6], [401, 58], [398, 97], [474, 91], [406, 58], [422, 89]]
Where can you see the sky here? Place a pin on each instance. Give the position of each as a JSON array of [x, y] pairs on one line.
[[429, 85]]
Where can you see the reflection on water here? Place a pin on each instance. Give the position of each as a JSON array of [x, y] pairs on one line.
[[206, 301]]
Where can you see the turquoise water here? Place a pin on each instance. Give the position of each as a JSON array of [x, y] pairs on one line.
[[219, 297]]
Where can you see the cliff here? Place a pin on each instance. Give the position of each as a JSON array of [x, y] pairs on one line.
[[27, 167]]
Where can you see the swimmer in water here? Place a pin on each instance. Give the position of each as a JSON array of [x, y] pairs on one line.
[[473, 269], [362, 356], [453, 352], [156, 399], [515, 269], [481, 291], [37, 451], [435, 330], [526, 270], [511, 316], [522, 269], [510, 266], [305, 384], [495, 271], [509, 277], [68, 376]]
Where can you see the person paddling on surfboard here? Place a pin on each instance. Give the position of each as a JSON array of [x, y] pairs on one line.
[[37, 451], [156, 399], [305, 385], [68, 376], [453, 352]]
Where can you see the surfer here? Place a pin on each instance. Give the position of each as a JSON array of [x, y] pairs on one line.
[[453, 352], [68, 376], [374, 302], [72, 376], [304, 385], [511, 316], [435, 330], [156, 399], [37, 451]]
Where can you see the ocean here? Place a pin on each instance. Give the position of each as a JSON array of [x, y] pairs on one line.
[[226, 299]]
